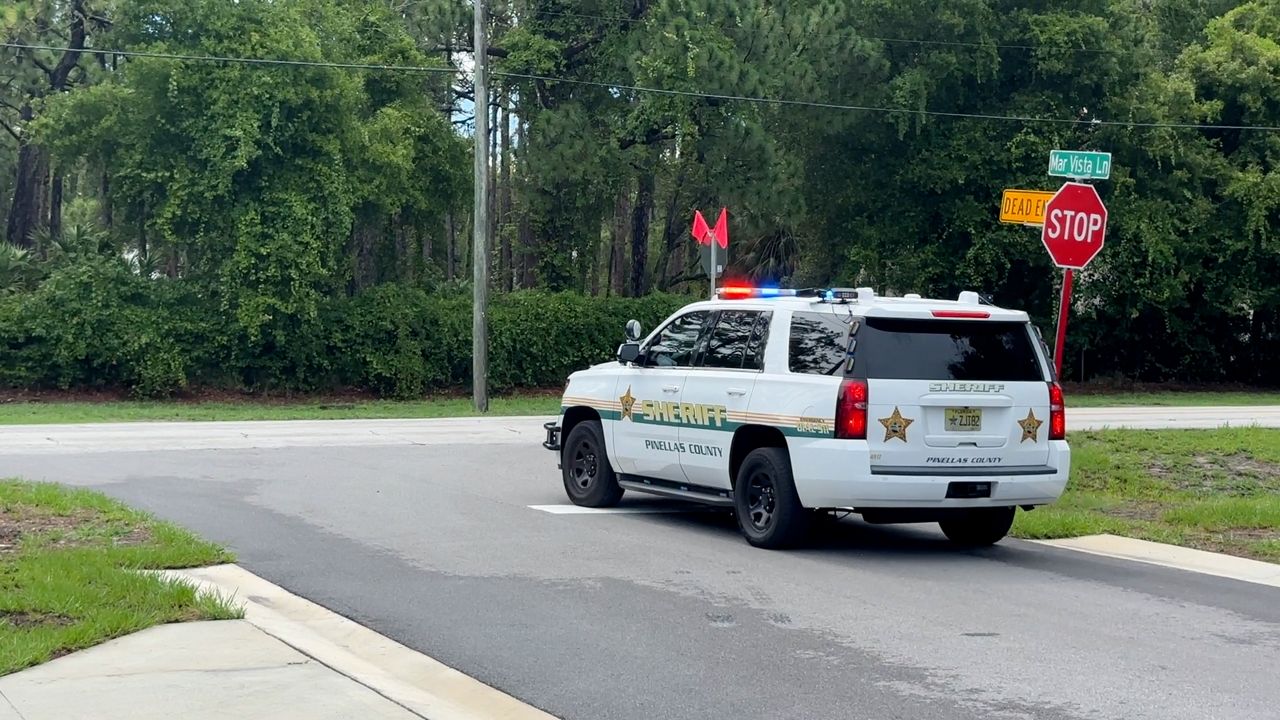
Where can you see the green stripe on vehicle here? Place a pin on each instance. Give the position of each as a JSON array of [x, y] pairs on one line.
[[728, 426]]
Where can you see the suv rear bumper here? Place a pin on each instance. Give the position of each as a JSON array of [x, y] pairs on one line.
[[864, 485]]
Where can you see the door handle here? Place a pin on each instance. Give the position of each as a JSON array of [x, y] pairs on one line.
[[670, 388], [736, 392]]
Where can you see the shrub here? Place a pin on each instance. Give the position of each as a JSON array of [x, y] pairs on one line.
[[93, 324]]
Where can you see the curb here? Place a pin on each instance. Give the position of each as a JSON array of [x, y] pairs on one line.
[[416, 682], [1173, 556]]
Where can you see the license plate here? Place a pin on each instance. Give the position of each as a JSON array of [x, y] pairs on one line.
[[964, 419]]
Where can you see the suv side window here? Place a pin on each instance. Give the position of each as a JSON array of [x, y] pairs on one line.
[[677, 343], [819, 342], [727, 346], [759, 340]]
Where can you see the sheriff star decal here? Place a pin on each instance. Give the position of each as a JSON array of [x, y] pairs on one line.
[[895, 426], [1030, 427], [628, 402]]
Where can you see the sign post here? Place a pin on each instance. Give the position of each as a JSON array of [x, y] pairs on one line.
[[1075, 228], [713, 269]]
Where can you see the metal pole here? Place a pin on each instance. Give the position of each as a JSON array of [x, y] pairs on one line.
[[480, 221], [713, 265], [1063, 306]]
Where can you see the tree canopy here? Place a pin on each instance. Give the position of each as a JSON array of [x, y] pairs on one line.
[[855, 142]]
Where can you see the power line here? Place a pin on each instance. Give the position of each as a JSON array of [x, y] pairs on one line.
[[664, 91], [889, 110], [238, 60], [879, 38]]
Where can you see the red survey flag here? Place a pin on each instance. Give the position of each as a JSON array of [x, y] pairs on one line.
[[701, 232], [722, 228]]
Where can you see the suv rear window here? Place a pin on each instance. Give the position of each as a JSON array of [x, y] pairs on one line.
[[818, 343], [966, 350]]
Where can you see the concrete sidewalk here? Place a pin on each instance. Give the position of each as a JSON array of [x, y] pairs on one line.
[[202, 670], [289, 658]]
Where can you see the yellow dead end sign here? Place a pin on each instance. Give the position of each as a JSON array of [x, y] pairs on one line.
[[1024, 207]]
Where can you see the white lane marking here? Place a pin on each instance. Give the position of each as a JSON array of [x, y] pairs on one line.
[[646, 510], [1172, 556]]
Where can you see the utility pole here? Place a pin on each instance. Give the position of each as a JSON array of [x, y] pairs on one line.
[[480, 221]]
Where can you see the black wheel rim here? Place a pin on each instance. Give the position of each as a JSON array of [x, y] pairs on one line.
[[762, 500], [584, 466]]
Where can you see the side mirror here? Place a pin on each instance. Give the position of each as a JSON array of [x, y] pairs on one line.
[[629, 352], [633, 330]]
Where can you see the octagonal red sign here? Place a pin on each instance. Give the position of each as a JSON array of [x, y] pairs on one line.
[[1075, 225]]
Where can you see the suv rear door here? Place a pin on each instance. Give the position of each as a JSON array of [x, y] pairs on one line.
[[966, 396]]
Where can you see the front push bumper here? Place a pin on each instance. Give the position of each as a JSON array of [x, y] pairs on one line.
[[553, 436]]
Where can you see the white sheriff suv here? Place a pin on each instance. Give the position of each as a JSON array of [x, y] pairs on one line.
[[784, 403]]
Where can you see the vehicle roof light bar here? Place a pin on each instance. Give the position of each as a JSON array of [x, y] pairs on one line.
[[741, 292]]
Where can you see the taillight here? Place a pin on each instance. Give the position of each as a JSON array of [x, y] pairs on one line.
[[851, 410], [1057, 413]]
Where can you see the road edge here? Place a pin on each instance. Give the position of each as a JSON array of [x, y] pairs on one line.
[[413, 680], [1173, 556]]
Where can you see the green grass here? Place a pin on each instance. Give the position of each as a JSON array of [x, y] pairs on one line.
[[1210, 489], [1169, 398], [35, 413], [68, 572]]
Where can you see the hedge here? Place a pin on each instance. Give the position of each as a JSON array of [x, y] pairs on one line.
[[101, 327]]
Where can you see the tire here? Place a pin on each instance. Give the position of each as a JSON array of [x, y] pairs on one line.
[[589, 480], [979, 527], [764, 499]]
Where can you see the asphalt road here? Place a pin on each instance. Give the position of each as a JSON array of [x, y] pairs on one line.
[[431, 540]]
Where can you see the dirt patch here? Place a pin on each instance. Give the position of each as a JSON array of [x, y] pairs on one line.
[[1238, 474], [15, 525], [1241, 542], [136, 536], [27, 620], [1239, 463], [1136, 511], [24, 522], [1251, 534]]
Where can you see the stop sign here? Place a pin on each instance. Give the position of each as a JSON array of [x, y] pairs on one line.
[[1075, 225]]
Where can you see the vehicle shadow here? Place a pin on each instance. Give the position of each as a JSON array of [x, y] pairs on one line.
[[839, 536]]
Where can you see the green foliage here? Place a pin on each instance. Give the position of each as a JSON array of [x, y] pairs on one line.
[[96, 324], [402, 342], [256, 175], [284, 197]]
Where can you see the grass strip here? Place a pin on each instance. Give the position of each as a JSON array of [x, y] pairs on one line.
[[42, 413], [1214, 490], [68, 572]]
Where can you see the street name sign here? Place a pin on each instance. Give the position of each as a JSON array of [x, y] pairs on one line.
[[1080, 165]]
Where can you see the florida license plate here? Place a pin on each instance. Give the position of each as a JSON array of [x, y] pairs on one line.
[[964, 419]]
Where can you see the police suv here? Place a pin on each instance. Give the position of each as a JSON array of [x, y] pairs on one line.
[[783, 403]]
